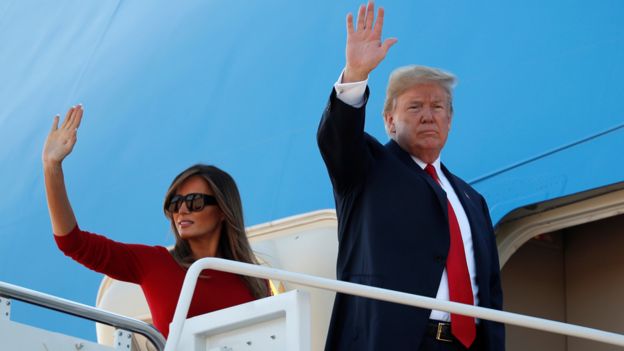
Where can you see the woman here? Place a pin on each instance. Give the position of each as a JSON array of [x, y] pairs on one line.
[[204, 207]]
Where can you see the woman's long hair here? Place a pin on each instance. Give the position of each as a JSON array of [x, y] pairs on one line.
[[233, 243]]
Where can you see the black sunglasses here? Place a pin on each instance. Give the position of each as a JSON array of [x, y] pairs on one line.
[[194, 202]]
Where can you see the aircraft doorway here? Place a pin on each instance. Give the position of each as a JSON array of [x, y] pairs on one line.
[[573, 273]]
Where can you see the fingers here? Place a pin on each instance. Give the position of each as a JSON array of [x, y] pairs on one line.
[[73, 117], [67, 117], [349, 23], [55, 123], [379, 22], [370, 15], [76, 117], [361, 18]]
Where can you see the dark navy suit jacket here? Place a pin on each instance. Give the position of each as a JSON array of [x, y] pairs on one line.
[[393, 233]]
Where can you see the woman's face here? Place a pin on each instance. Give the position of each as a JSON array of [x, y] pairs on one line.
[[202, 225]]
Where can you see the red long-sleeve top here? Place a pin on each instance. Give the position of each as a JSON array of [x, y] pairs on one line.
[[158, 274]]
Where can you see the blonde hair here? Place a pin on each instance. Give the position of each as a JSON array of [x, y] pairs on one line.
[[403, 78]]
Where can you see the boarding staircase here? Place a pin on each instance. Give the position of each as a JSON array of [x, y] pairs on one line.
[[275, 323], [298, 256]]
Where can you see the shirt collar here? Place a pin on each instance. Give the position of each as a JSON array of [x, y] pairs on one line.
[[422, 164]]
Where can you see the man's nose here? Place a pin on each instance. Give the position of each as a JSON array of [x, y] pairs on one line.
[[427, 115]]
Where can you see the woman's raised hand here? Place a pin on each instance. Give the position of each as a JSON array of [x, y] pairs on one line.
[[61, 140]]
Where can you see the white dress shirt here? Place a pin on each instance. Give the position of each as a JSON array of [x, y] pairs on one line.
[[353, 94]]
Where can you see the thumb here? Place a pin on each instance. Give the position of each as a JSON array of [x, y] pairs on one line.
[[387, 44]]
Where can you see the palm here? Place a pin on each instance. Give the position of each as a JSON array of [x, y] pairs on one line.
[[61, 140], [365, 49]]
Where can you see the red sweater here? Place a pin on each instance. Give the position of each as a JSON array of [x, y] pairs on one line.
[[158, 274]]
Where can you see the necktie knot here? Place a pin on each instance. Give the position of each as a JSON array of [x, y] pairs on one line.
[[432, 172]]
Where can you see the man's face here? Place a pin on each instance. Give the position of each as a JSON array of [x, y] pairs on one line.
[[421, 120]]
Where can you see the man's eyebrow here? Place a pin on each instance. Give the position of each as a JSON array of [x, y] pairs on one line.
[[415, 101]]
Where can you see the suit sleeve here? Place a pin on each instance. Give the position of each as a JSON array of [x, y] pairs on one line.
[[341, 140], [117, 260]]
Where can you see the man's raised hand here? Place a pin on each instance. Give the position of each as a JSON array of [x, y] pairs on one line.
[[365, 50]]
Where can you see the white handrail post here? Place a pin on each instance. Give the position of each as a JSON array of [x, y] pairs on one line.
[[184, 303]]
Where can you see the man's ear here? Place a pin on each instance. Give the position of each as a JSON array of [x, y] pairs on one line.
[[389, 123]]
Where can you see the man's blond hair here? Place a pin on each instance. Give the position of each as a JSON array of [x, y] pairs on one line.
[[403, 78]]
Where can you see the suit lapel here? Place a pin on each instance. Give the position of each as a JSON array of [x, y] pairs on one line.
[[407, 160]]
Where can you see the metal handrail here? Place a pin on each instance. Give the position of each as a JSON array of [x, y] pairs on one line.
[[83, 311], [371, 292]]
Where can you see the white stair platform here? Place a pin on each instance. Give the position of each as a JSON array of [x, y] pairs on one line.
[[277, 323], [17, 336]]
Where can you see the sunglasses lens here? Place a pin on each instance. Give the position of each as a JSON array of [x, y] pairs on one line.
[[193, 202], [196, 202], [174, 204]]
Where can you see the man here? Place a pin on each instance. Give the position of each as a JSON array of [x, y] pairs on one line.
[[405, 222]]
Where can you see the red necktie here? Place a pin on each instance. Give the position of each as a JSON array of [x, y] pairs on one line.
[[460, 290]]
